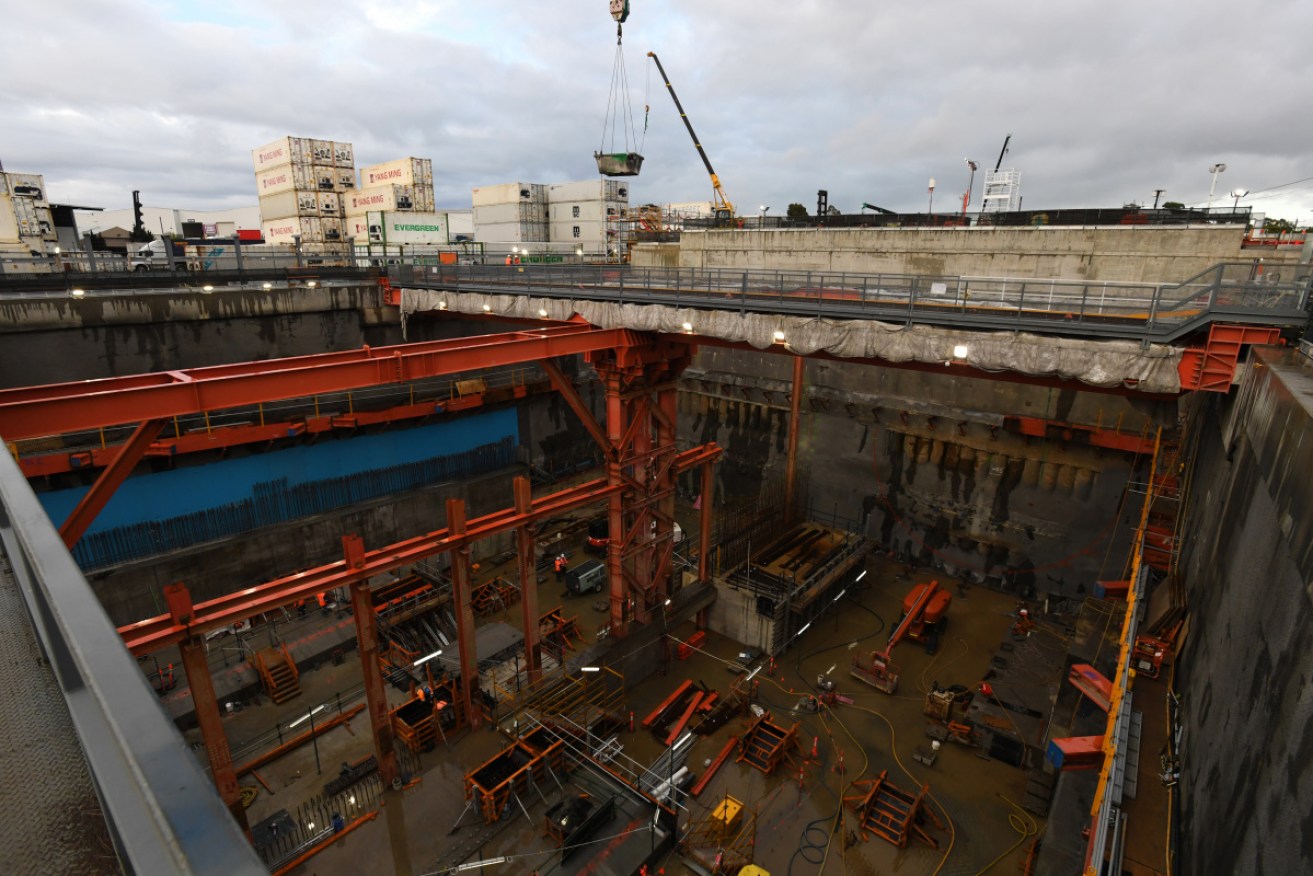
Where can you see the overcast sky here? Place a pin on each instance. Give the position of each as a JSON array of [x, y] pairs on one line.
[[1106, 101]]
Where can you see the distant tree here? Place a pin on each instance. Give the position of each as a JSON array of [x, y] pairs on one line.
[[797, 213], [1277, 226], [142, 236], [1173, 205]]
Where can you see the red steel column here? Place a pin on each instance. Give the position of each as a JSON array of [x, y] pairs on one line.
[[206, 704], [528, 581], [704, 535], [791, 465], [353, 548], [465, 629], [615, 433], [640, 422]]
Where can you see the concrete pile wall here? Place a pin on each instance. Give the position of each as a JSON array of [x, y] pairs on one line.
[[1131, 253], [1245, 673], [920, 464]]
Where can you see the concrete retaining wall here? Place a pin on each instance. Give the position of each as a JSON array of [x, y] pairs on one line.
[[1132, 253], [1245, 670]]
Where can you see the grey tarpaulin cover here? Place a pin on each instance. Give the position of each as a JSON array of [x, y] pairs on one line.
[[1151, 368]]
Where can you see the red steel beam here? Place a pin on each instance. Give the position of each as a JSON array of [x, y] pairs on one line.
[[71, 407], [220, 437], [110, 479], [1095, 436], [704, 523], [152, 634], [376, 695]]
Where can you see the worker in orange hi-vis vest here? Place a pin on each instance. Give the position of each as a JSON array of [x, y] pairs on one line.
[[559, 566]]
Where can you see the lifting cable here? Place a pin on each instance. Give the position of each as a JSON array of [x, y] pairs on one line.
[[619, 113]]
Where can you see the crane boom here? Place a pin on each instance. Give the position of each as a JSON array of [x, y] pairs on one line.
[[723, 208], [999, 163]]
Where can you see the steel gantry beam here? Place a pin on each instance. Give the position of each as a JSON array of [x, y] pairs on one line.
[[152, 634], [56, 409], [113, 476]]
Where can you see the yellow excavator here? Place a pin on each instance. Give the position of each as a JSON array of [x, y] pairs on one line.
[[721, 206]]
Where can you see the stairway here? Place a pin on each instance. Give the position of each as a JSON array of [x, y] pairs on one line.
[[278, 672]]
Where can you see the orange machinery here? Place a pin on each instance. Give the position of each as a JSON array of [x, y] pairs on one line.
[[925, 615]]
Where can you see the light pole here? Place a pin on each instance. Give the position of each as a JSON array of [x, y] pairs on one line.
[[761, 218], [1237, 194], [1157, 193], [971, 182], [931, 209], [1214, 170]]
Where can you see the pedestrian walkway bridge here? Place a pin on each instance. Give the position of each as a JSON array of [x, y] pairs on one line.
[[1237, 293]]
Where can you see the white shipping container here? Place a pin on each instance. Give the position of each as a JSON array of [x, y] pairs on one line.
[[512, 232], [330, 204], [356, 227], [27, 185], [344, 155], [401, 172], [509, 193], [284, 150], [379, 199], [460, 224], [587, 210], [424, 200], [285, 204], [344, 180], [409, 229], [589, 190], [286, 178], [497, 214], [285, 230], [321, 152], [331, 229], [8, 220], [588, 232]]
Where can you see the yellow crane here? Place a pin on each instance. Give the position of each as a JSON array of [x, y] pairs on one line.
[[723, 209]]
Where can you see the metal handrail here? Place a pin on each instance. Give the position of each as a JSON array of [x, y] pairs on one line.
[[163, 813]]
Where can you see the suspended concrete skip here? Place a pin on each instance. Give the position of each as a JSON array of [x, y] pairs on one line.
[[1150, 369], [618, 163]]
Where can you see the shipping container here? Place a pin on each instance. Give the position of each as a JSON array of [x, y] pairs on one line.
[[344, 155], [332, 229], [379, 198], [581, 231], [8, 220], [512, 232], [424, 200], [310, 229], [287, 204], [587, 210], [460, 225], [321, 152], [344, 180], [409, 229], [589, 190], [497, 214], [27, 185], [330, 204], [401, 172], [284, 150], [286, 178], [509, 193]]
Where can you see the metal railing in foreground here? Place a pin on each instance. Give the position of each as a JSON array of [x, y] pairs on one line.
[[163, 813]]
